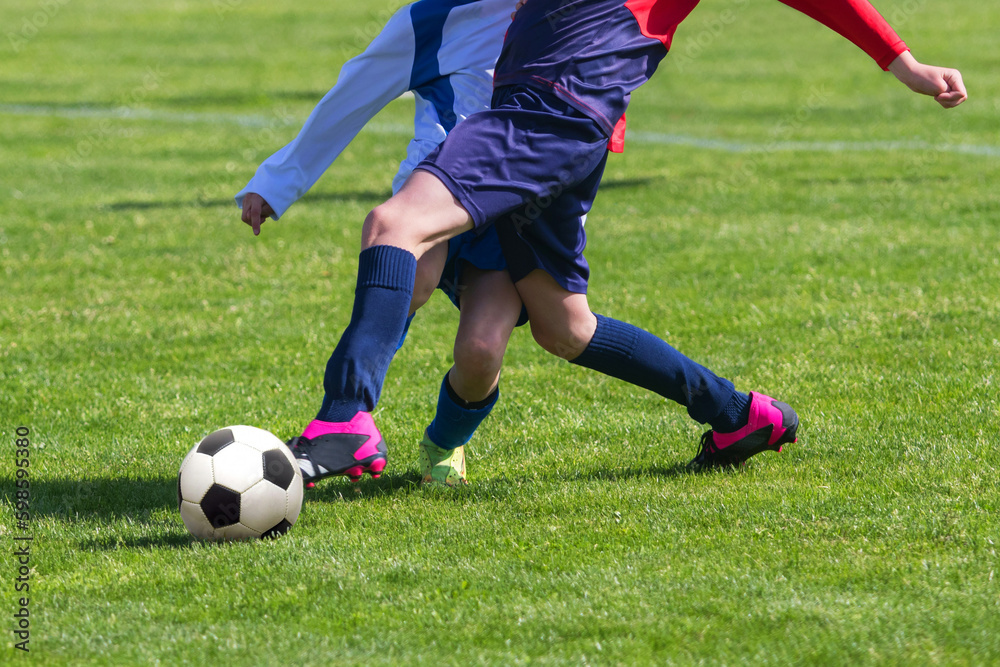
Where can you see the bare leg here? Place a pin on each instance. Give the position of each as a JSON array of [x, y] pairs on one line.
[[490, 309]]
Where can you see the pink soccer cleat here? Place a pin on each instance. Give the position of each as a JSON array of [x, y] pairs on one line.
[[328, 449], [771, 424]]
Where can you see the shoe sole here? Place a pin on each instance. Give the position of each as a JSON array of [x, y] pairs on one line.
[[373, 467]]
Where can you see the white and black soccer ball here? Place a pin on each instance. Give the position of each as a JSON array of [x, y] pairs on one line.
[[239, 483]]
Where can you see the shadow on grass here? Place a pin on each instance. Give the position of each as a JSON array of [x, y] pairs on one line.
[[137, 499], [623, 183], [626, 474], [299, 95], [101, 498], [114, 543], [257, 102], [339, 197], [341, 490], [129, 503]]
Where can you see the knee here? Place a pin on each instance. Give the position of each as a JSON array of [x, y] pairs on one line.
[[566, 342], [480, 356], [381, 224]]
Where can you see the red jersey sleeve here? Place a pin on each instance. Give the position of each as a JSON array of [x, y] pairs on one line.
[[858, 21]]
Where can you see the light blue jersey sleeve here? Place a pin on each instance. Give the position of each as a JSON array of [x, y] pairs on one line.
[[444, 51]]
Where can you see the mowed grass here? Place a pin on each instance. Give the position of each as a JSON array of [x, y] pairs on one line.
[[861, 285]]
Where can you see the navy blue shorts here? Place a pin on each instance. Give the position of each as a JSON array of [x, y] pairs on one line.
[[531, 165]]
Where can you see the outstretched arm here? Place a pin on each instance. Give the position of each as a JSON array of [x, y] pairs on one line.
[[858, 21], [364, 86]]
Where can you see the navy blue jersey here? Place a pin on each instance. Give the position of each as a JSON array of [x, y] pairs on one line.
[[593, 53]]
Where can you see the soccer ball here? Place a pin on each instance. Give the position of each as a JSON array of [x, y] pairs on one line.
[[239, 483]]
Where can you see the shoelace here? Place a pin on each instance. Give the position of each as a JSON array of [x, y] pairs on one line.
[[707, 445], [299, 443]]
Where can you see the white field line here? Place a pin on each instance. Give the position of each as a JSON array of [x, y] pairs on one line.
[[657, 138], [810, 146], [131, 113]]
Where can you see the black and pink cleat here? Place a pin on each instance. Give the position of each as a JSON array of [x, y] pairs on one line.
[[771, 425], [329, 449]]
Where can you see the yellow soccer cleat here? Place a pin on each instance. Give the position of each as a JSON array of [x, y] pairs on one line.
[[441, 467]]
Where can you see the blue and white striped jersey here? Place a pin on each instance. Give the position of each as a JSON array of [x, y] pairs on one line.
[[444, 51]]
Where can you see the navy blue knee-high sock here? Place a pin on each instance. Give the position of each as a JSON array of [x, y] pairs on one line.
[[356, 370], [631, 354], [406, 329], [456, 420]]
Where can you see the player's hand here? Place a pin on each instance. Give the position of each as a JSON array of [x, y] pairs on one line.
[[520, 3], [256, 211], [943, 84]]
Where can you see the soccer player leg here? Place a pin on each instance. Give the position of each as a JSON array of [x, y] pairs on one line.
[[343, 439], [490, 309], [742, 425]]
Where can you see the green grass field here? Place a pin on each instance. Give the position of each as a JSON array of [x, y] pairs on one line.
[[784, 213]]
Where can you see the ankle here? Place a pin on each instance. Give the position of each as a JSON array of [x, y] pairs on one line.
[[734, 416]]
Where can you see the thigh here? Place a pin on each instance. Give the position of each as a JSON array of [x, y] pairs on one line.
[[421, 215], [561, 320]]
